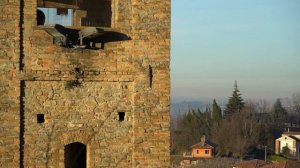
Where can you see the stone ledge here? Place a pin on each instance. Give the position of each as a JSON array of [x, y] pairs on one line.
[[88, 75]]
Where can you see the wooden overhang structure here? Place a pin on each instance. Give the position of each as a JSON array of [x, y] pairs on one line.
[[63, 4]]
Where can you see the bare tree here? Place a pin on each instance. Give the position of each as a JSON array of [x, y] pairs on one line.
[[189, 128], [296, 105], [237, 134]]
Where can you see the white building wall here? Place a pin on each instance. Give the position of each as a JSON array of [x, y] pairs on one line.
[[289, 142]]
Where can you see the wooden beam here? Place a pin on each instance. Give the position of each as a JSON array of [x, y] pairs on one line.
[[49, 4]]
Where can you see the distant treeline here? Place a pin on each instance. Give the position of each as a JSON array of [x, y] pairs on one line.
[[242, 128]]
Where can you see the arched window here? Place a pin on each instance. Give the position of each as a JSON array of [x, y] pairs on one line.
[[75, 155]]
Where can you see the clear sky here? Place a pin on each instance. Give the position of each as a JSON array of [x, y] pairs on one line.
[[215, 42]]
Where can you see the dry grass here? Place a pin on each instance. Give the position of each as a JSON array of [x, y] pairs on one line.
[[209, 163]]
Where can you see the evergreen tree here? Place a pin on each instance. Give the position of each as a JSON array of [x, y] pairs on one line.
[[192, 126], [235, 102], [279, 113], [216, 112]]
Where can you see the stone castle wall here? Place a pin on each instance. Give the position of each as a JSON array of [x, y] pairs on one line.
[[9, 83], [86, 114], [128, 76]]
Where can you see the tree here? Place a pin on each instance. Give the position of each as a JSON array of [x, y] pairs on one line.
[[203, 122], [238, 135], [286, 151], [279, 113], [263, 106], [296, 102], [190, 128], [216, 112], [235, 102], [296, 106]]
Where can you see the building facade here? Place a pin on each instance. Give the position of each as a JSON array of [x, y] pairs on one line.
[[289, 140], [204, 149], [100, 103], [201, 150]]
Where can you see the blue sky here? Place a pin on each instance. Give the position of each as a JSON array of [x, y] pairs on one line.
[[215, 42]]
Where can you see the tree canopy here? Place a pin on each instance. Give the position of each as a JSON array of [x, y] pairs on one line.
[[279, 113], [235, 102], [216, 112]]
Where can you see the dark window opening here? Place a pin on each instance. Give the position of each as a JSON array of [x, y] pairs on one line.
[[150, 76], [78, 24], [97, 15], [121, 116], [62, 11], [75, 155], [94, 13], [40, 17], [40, 118], [78, 72], [206, 151]]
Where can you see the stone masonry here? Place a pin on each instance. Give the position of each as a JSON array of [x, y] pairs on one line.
[[38, 77]]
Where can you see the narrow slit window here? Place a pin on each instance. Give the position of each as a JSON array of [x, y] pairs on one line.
[[150, 76], [121, 116], [40, 118]]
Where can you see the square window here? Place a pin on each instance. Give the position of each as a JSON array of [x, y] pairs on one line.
[[121, 116], [40, 118]]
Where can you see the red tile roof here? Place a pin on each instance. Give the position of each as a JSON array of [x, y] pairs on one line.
[[205, 145]]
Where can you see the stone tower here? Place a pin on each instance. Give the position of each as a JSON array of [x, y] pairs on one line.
[[74, 100]]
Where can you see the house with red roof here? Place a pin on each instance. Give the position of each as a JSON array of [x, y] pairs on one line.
[[203, 149]]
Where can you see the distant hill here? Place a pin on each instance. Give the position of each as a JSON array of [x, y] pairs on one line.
[[183, 106]]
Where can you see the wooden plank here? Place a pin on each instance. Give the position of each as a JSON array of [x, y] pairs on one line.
[[49, 4]]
